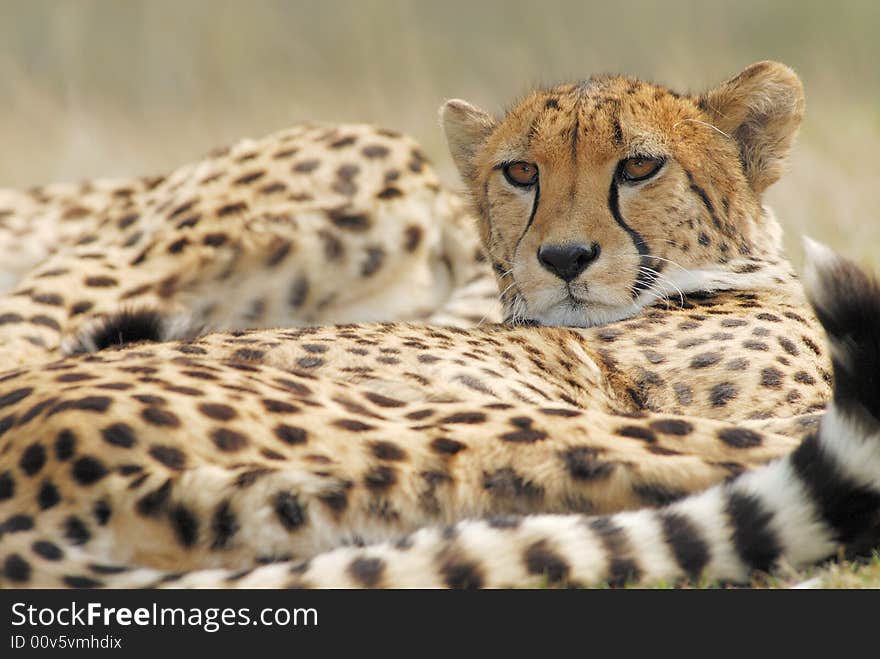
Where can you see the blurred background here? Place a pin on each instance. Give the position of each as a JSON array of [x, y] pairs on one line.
[[109, 88]]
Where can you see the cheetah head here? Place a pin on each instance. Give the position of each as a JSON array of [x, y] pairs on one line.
[[598, 198]]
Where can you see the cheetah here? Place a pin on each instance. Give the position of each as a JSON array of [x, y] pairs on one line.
[[312, 225], [657, 405]]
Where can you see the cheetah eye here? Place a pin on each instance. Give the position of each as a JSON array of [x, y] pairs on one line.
[[640, 168], [521, 174]]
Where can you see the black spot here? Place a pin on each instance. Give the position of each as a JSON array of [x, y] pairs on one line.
[[637, 432], [99, 568], [65, 445], [740, 437], [462, 575], [86, 404], [705, 359], [170, 456], [248, 178], [771, 377], [8, 421], [559, 411], [802, 377], [46, 321], [344, 219], [248, 478], [7, 486], [722, 393], [464, 417], [299, 291], [48, 496], [306, 166], [217, 411], [447, 446], [159, 417], [543, 561], [373, 262], [248, 354], [690, 550], [289, 511], [353, 425], [185, 524], [582, 463], [231, 209], [343, 142], [755, 542], [178, 245], [119, 434], [336, 501], [16, 524], [290, 434], [102, 512], [382, 401], [72, 377], [229, 440], [88, 470], [76, 531], [279, 253], [375, 151], [224, 525], [32, 459], [672, 427], [524, 436], [100, 281], [150, 504], [16, 569], [279, 407], [15, 396], [379, 479], [79, 581], [505, 483], [367, 571], [387, 451], [47, 550]]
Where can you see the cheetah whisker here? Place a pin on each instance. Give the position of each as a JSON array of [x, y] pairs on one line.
[[703, 123]]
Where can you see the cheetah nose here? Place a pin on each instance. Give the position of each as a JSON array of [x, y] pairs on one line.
[[569, 260]]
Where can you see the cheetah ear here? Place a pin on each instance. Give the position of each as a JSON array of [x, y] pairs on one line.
[[761, 108], [467, 127]]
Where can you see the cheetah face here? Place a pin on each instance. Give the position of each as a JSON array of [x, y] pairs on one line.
[[598, 198]]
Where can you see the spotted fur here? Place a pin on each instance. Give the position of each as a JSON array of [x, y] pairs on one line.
[[689, 439]]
